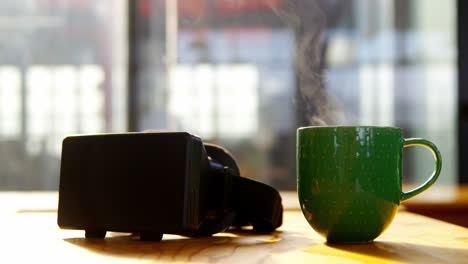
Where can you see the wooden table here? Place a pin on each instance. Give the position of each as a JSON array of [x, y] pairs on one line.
[[448, 203], [30, 235]]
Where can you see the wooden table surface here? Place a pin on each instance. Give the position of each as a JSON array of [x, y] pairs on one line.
[[30, 235], [445, 202]]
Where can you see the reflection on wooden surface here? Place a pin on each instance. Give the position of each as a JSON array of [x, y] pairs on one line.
[[448, 203], [29, 236], [440, 194]]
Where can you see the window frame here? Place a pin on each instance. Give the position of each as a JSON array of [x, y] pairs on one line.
[[462, 45]]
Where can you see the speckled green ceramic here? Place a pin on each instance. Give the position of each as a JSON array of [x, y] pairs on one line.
[[349, 179]]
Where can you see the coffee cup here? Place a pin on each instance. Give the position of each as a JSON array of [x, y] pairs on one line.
[[349, 179]]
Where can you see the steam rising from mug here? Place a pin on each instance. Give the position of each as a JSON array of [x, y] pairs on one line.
[[308, 21]]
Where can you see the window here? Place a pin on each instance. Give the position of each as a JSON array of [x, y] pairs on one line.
[[359, 62], [62, 72], [243, 74]]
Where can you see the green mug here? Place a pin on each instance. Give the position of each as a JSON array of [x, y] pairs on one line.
[[349, 179]]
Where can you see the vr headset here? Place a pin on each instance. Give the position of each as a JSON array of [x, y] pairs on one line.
[[158, 183]]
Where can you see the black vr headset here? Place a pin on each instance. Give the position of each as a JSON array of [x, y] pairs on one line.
[[157, 183]]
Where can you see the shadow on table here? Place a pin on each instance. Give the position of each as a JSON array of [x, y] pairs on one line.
[[237, 245], [406, 252], [285, 245]]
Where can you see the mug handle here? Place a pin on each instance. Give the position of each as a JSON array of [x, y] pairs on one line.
[[438, 165]]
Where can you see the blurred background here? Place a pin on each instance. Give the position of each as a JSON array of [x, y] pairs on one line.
[[243, 74]]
